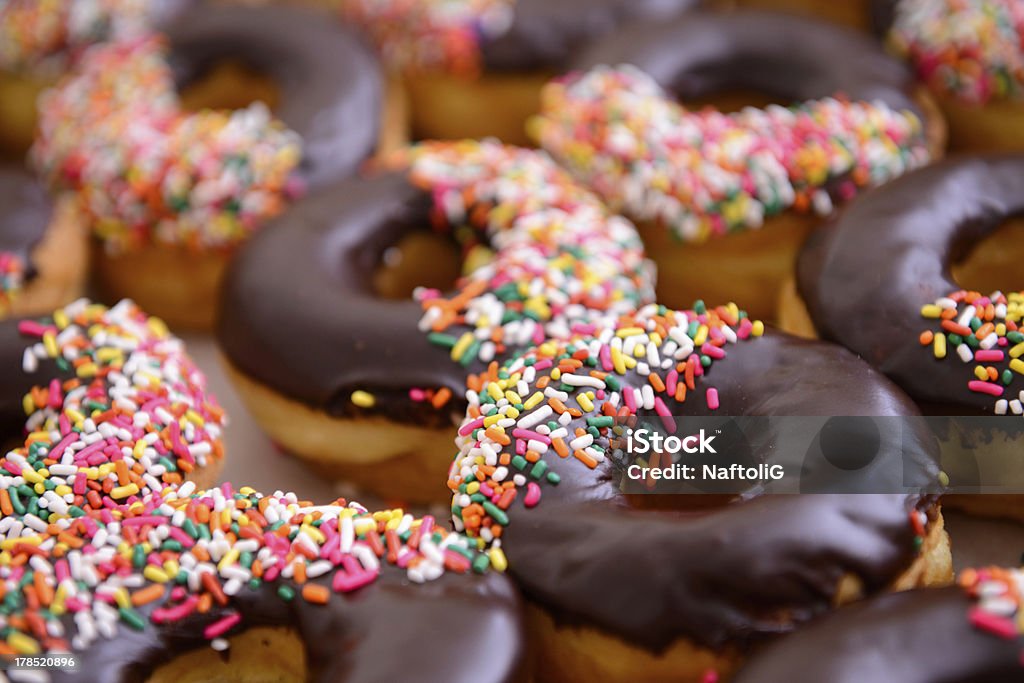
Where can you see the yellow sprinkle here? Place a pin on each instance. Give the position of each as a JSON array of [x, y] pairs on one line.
[[618, 362], [155, 574], [493, 390], [492, 419], [314, 533], [1017, 365], [9, 543], [171, 568], [460, 346], [23, 644], [537, 397], [29, 407], [50, 344], [939, 346], [757, 329], [472, 487], [585, 402], [363, 399], [158, 327], [498, 560], [60, 319], [629, 331], [230, 557], [90, 370], [513, 397], [247, 490], [32, 476], [119, 492], [701, 336], [511, 412], [980, 372], [931, 311], [1017, 351], [121, 597]]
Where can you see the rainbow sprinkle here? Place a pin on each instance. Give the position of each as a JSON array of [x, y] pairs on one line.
[[971, 49], [97, 521], [563, 265], [48, 35], [565, 399], [128, 382], [145, 171], [429, 35], [984, 332], [704, 173], [12, 279], [997, 594]]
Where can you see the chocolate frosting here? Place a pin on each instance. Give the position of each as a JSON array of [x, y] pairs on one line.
[[463, 629], [25, 213], [752, 568], [905, 235], [330, 82], [545, 34], [786, 57], [298, 312], [920, 636]]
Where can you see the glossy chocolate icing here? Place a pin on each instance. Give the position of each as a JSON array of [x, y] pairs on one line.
[[545, 34], [463, 629], [330, 82], [865, 277], [298, 312], [25, 213], [756, 567], [782, 56], [921, 636]]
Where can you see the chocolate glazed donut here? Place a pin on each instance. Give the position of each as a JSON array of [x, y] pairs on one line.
[[914, 637], [907, 236], [891, 253], [327, 334], [463, 629], [753, 568], [330, 83], [785, 57]]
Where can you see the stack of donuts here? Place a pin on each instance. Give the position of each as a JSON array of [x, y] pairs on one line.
[[447, 254]]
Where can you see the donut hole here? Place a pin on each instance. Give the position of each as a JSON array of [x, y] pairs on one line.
[[229, 84], [992, 263], [257, 655], [735, 84], [419, 259]]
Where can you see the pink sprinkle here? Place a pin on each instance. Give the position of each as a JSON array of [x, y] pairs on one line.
[[521, 433], [467, 428], [219, 628], [666, 415], [346, 583], [989, 388], [988, 355], [627, 394], [532, 494], [176, 613], [670, 381], [712, 351], [712, 395], [31, 328], [986, 621]]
